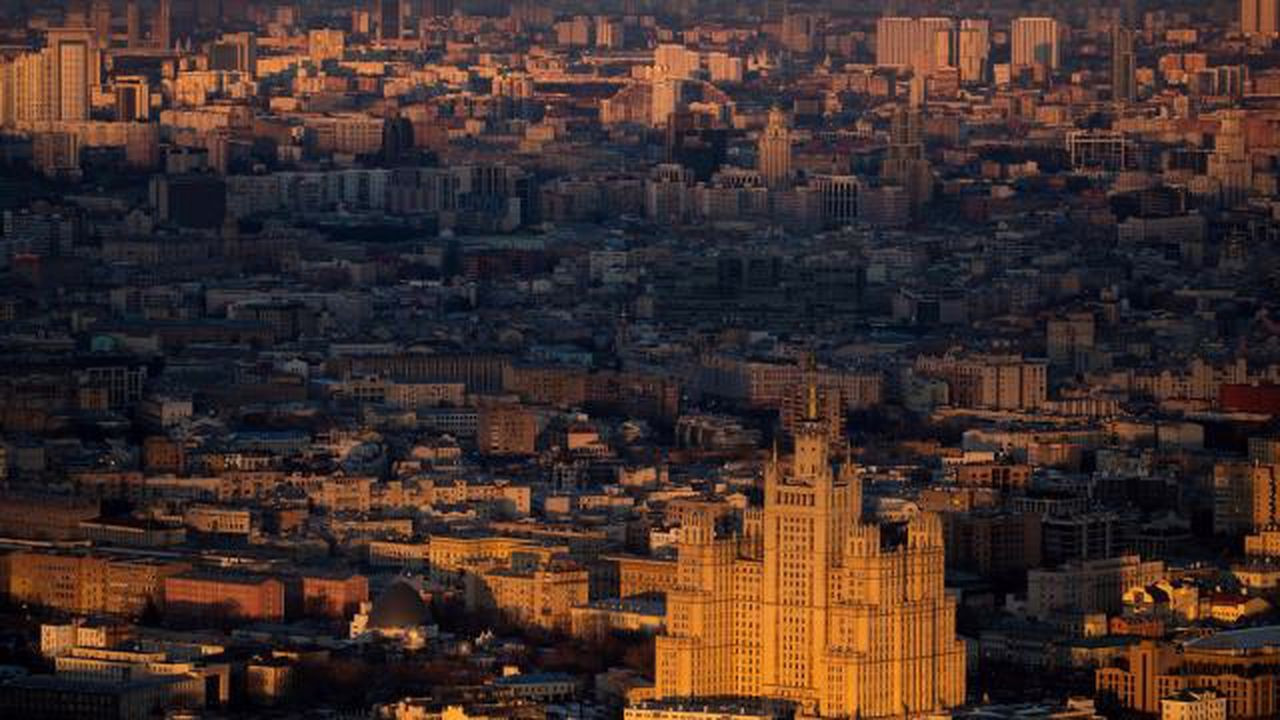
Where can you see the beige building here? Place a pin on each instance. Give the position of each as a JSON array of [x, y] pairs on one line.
[[808, 605], [1091, 586], [990, 382], [1238, 664], [1264, 542], [1035, 42], [775, 151], [539, 595], [1194, 705]]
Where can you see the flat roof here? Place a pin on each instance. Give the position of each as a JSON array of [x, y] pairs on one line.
[[1257, 638]]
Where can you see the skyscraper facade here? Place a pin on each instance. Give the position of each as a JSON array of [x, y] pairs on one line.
[[52, 84], [133, 24], [100, 19], [1124, 82], [774, 150], [922, 44], [162, 29], [1259, 17], [1036, 42], [809, 604], [973, 50], [389, 16]]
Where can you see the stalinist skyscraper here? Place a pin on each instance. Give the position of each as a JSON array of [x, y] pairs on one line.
[[774, 150], [809, 604]]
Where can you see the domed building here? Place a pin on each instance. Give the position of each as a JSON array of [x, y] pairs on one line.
[[399, 606], [399, 613]]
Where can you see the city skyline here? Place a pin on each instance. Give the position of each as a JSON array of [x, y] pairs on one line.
[[640, 359]]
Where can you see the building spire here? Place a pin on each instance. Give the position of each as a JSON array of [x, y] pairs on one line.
[[811, 373]]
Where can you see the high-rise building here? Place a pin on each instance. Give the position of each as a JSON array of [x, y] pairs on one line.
[[1036, 42], [100, 19], [774, 150], [162, 28], [235, 51], [922, 44], [1259, 17], [1124, 80], [839, 194], [1229, 162], [799, 31], [675, 62], [53, 84], [388, 16], [973, 50], [76, 59], [905, 163], [133, 24], [666, 98], [437, 8], [807, 603]]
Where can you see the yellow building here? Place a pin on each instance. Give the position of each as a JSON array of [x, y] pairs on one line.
[[532, 594], [1239, 664], [811, 605]]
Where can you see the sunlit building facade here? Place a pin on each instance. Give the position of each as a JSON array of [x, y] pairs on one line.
[[809, 604]]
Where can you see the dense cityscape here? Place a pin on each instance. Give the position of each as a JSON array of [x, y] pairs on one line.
[[640, 359]]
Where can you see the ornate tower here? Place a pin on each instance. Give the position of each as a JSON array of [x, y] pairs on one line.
[[809, 604], [774, 150]]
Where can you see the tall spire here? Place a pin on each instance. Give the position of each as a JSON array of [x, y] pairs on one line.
[[811, 371]]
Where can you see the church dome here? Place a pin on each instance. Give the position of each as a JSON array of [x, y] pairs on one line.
[[399, 607]]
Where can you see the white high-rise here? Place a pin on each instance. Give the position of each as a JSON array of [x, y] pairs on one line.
[[1036, 41]]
